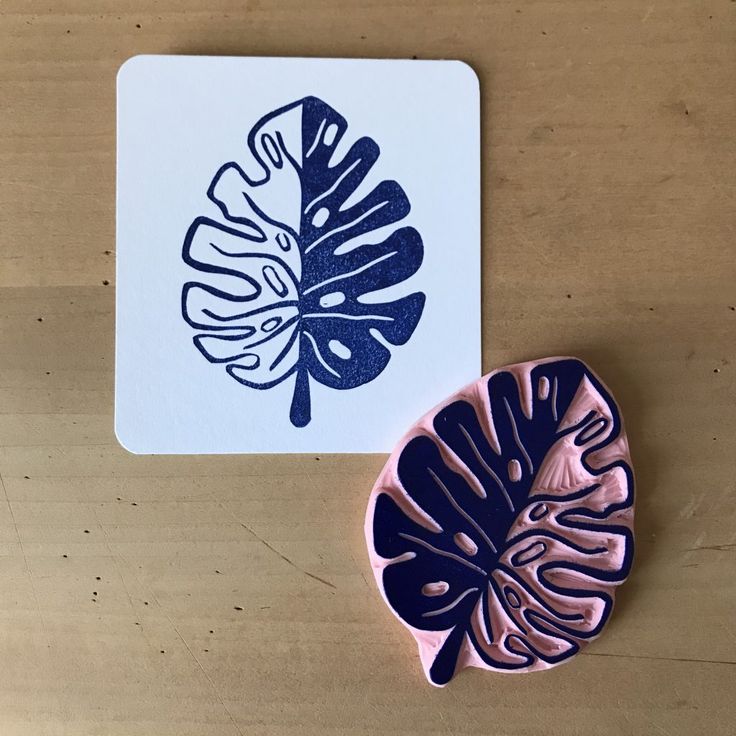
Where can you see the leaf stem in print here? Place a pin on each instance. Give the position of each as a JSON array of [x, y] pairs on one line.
[[301, 410]]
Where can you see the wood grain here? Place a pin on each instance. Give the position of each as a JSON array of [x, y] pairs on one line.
[[609, 182]]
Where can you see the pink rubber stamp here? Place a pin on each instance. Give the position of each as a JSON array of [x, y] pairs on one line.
[[502, 522]]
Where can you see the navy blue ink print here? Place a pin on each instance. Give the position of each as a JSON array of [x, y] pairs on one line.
[[502, 524], [288, 283]]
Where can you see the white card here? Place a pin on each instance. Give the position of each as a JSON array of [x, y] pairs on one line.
[[298, 251]]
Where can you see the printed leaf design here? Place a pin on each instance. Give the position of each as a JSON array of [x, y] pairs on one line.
[[502, 522], [289, 283]]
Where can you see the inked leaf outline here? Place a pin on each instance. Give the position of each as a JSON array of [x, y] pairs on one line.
[[294, 277]]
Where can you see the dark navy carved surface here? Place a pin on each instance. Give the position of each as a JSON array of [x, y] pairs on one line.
[[505, 520], [284, 282]]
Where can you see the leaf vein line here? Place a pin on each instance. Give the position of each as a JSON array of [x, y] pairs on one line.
[[515, 430], [319, 355], [317, 137], [285, 351], [244, 315], [450, 606], [347, 275], [348, 316], [487, 467], [337, 183], [461, 511], [441, 552], [346, 226]]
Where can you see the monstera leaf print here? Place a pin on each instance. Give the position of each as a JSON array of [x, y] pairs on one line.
[[288, 282], [502, 522]]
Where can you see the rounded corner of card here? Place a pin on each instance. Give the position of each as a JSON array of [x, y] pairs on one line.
[[467, 73], [127, 440], [128, 70]]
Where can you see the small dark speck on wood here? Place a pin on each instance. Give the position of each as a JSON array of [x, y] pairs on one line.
[[237, 608], [106, 283]]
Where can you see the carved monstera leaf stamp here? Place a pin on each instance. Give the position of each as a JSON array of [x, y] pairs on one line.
[[502, 522]]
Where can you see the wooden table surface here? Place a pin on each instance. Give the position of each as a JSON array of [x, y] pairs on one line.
[[608, 219]]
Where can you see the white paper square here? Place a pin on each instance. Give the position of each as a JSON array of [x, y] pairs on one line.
[[180, 119]]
